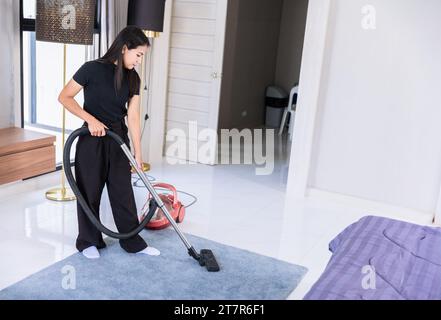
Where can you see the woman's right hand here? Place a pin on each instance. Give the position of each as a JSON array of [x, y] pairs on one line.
[[96, 128]]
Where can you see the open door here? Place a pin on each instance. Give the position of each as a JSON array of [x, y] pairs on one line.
[[194, 80]]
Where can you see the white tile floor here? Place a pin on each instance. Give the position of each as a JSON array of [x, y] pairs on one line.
[[235, 207]]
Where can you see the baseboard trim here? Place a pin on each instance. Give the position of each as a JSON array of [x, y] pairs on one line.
[[369, 207]]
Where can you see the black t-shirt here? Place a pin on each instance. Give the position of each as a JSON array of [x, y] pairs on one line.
[[100, 97]]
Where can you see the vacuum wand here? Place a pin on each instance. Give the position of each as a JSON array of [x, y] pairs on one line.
[[205, 257], [154, 194]]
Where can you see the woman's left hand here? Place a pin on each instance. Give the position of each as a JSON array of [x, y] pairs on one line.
[[138, 159]]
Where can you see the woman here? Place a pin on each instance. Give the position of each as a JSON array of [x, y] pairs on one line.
[[109, 84]]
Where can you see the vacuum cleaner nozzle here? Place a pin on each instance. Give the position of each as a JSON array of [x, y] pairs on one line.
[[208, 260], [205, 258]]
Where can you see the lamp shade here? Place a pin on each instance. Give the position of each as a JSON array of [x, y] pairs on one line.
[[147, 15], [65, 21]]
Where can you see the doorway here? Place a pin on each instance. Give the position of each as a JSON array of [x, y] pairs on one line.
[[263, 48], [223, 54]]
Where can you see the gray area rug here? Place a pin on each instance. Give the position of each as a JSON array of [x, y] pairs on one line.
[[173, 275]]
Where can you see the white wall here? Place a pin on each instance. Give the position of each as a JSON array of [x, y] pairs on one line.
[[9, 63], [377, 128]]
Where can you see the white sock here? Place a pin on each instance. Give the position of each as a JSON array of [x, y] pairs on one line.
[[91, 253], [150, 251]]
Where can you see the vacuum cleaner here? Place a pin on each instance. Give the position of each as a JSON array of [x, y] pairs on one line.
[[205, 257]]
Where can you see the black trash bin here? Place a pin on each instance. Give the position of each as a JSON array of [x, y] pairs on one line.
[[276, 100]]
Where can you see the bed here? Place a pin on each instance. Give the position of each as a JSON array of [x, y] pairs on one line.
[[378, 258]]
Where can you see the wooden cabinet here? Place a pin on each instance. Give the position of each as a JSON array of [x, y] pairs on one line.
[[25, 154]]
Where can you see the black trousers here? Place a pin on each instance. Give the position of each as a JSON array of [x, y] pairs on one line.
[[99, 161]]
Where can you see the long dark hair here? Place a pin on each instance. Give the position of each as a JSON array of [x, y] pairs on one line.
[[132, 37]]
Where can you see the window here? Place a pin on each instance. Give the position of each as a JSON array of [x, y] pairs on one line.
[[42, 78], [29, 9]]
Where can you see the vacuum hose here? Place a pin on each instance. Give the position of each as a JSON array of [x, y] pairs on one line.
[[90, 214], [205, 257]]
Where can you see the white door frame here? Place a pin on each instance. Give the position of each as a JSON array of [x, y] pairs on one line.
[[309, 91], [154, 137], [315, 45]]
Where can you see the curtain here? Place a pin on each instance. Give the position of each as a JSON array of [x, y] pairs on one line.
[[9, 63], [113, 20], [113, 17]]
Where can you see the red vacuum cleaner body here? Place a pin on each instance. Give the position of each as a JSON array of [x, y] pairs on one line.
[[173, 205]]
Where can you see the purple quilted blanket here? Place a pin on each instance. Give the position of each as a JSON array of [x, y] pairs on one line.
[[382, 259]]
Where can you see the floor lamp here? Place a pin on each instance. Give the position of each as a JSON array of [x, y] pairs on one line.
[[147, 15], [66, 22]]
